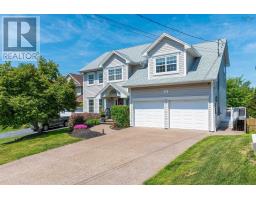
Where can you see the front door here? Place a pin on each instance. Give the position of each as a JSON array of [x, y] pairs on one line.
[[120, 101]]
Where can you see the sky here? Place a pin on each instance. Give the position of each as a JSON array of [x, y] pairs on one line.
[[72, 41]]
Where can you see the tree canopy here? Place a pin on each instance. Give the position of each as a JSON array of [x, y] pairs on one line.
[[240, 93], [30, 94]]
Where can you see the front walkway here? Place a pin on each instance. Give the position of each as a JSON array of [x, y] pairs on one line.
[[129, 156]]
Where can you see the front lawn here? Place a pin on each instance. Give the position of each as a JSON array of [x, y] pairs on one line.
[[16, 148], [214, 160]]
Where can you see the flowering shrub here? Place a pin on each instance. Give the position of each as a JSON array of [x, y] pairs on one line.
[[80, 126], [80, 118]]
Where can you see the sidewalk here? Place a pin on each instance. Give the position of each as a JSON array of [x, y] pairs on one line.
[[22, 132]]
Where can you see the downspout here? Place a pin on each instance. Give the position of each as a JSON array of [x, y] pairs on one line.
[[131, 107]]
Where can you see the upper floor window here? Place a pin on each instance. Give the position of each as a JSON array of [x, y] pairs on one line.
[[100, 77], [166, 64], [90, 79], [115, 74]]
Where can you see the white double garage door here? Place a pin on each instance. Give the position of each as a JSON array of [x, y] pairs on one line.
[[182, 114]]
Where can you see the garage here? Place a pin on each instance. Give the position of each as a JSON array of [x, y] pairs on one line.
[[189, 114], [149, 114]]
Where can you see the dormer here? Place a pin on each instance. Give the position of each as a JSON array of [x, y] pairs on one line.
[[169, 57], [115, 67]]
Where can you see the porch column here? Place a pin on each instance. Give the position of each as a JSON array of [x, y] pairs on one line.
[[104, 104]]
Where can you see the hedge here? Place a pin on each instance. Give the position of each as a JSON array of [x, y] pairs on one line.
[[120, 115], [92, 122]]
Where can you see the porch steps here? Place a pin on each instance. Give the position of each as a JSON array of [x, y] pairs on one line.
[[109, 121]]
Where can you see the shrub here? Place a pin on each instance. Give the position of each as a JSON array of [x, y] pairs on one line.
[[120, 116], [92, 122], [80, 118]]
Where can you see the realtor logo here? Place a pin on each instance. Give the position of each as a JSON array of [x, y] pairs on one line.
[[20, 38]]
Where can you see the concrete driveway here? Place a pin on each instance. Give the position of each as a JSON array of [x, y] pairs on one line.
[[128, 156]]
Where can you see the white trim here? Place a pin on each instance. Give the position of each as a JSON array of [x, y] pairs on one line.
[[131, 109], [164, 35], [89, 105], [177, 54], [91, 73], [109, 56], [115, 67], [213, 121], [166, 109], [185, 63], [167, 54], [172, 98], [122, 94], [166, 84]]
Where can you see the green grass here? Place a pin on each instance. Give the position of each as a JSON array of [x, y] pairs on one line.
[[214, 160], [16, 148]]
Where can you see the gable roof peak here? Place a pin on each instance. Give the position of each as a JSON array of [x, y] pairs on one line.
[[116, 52], [161, 37]]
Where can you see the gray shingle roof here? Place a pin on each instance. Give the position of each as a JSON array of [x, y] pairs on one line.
[[133, 53], [205, 68]]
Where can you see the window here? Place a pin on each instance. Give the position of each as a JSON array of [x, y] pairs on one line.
[[115, 74], [166, 64], [90, 79], [100, 77], [91, 105]]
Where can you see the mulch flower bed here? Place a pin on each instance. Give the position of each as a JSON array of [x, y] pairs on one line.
[[85, 133]]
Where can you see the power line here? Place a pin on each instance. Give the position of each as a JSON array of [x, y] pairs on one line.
[[174, 29], [146, 34]]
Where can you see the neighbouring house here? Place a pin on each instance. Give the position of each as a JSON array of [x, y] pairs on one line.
[[167, 83], [78, 80]]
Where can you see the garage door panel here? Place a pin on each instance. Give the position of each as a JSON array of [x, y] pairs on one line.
[[149, 114], [189, 114]]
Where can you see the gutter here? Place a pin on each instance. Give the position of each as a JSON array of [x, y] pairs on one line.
[[163, 84]]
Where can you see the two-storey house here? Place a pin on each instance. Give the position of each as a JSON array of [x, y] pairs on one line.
[[167, 84]]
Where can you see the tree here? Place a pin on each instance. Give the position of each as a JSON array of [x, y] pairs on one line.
[[251, 108], [30, 94], [240, 93]]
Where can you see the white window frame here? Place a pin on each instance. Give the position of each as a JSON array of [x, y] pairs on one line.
[[165, 57], [114, 68], [102, 105], [88, 83], [89, 105], [100, 72]]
